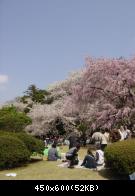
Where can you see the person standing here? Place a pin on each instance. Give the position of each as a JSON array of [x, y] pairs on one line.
[[73, 140], [99, 138]]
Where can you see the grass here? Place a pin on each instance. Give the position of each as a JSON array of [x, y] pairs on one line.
[[45, 170]]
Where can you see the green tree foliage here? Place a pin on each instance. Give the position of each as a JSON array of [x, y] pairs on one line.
[[11, 120], [37, 95], [13, 152]]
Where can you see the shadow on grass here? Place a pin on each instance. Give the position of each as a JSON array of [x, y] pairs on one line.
[[36, 159], [112, 175]]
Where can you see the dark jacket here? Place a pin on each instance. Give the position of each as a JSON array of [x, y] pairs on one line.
[[73, 141], [72, 153], [89, 162]]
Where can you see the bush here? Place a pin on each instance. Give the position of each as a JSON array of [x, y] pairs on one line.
[[120, 157], [32, 144], [39, 148], [13, 152]]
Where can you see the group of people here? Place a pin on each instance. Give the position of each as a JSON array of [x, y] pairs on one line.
[[99, 136], [100, 139], [94, 157], [105, 137], [93, 161]]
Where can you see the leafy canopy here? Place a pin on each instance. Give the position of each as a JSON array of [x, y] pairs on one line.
[[11, 120]]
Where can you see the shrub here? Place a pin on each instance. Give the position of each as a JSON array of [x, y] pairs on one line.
[[33, 144], [39, 148], [13, 152], [120, 156]]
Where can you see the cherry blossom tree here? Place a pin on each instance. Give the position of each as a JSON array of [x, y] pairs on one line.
[[105, 95]]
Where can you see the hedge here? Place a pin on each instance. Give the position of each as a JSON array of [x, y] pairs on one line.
[[120, 156], [33, 144], [13, 152]]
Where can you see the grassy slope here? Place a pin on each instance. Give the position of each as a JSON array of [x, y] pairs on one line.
[[45, 170]]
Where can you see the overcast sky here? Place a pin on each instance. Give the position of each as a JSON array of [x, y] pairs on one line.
[[41, 41]]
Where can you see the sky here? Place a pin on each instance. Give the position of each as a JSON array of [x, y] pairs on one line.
[[41, 41]]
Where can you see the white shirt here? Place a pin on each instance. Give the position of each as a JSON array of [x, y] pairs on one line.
[[100, 160], [99, 137]]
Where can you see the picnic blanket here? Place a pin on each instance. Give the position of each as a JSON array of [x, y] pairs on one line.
[[65, 165]]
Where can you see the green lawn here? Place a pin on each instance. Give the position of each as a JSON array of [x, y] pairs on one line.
[[45, 170]]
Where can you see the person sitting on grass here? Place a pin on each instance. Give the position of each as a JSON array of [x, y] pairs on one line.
[[53, 154], [89, 160], [72, 156], [99, 156]]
